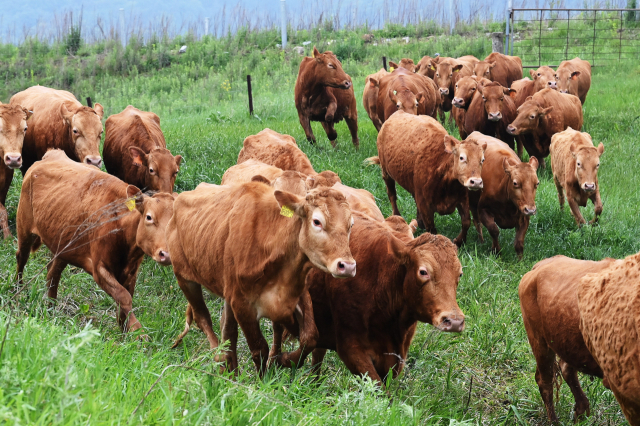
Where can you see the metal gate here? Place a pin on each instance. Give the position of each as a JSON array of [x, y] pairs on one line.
[[549, 36]]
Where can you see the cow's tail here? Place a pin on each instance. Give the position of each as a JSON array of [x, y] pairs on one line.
[[371, 161]]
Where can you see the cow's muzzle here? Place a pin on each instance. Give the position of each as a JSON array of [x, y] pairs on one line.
[[93, 160], [163, 258], [444, 91], [343, 268], [458, 102], [529, 211], [552, 85], [13, 160], [511, 130], [347, 84], [452, 324], [589, 186], [495, 116], [474, 183]]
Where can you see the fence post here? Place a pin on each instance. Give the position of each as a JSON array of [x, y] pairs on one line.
[[206, 26], [123, 38], [384, 63], [250, 94], [497, 42], [89, 102], [283, 22], [507, 32]]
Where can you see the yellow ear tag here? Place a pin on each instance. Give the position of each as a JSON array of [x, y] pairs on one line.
[[433, 68], [286, 211], [456, 70], [395, 92], [391, 69], [313, 54], [131, 204]]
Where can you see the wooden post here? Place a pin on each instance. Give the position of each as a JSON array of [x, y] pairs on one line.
[[384, 63], [89, 102], [250, 95]]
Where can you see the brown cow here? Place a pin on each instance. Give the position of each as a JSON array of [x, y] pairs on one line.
[[609, 303], [543, 115], [13, 127], [136, 152], [500, 68], [437, 169], [574, 77], [61, 122], [253, 246], [448, 72], [549, 304], [508, 197], [324, 93], [370, 96], [370, 320], [424, 66], [283, 180], [93, 221], [464, 92], [406, 63], [543, 78], [575, 162], [360, 200]]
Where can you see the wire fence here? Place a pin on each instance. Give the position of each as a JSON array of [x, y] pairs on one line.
[[549, 36]]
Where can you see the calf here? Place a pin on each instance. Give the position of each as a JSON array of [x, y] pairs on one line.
[[253, 246], [575, 162], [543, 115], [370, 320], [508, 196], [136, 152], [574, 77], [499, 68], [60, 122], [543, 78], [93, 221], [438, 170], [324, 93], [370, 97], [447, 73], [13, 127], [549, 304], [608, 301]]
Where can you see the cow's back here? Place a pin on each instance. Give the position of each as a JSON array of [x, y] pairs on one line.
[[275, 149], [360, 200], [524, 88], [584, 79], [567, 110]]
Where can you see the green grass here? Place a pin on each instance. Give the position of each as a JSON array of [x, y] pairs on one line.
[[68, 363]]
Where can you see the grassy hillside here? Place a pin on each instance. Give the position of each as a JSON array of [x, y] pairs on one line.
[[67, 362]]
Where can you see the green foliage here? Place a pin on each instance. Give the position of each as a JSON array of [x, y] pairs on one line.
[[73, 40]]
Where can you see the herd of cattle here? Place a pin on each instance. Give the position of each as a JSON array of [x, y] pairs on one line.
[[278, 240]]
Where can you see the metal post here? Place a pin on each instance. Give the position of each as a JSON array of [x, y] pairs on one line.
[[507, 33], [250, 95], [206, 26], [283, 22], [511, 37], [539, 41], [593, 53], [621, 29], [566, 49], [89, 102], [384, 63], [123, 38]]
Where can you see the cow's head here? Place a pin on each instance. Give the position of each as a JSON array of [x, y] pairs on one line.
[[329, 72], [493, 95], [427, 66], [156, 212], [405, 100], [13, 128], [465, 89], [530, 116], [160, 167], [522, 184], [291, 181], [587, 164], [567, 81], [85, 126], [483, 69], [326, 178], [326, 227], [544, 77], [399, 225], [468, 157], [444, 77], [431, 280], [407, 64]]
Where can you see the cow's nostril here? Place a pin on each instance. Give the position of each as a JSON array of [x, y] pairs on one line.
[[341, 266]]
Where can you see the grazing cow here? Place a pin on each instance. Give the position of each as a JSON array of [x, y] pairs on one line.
[[574, 77], [93, 221], [448, 72], [370, 96], [13, 127], [575, 162], [549, 304], [253, 246], [500, 68], [508, 196], [424, 66], [283, 180], [609, 304], [324, 93], [543, 115], [543, 78], [61, 122], [437, 169], [136, 152], [406, 91], [370, 320]]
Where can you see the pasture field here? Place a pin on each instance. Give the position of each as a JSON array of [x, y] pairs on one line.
[[68, 362]]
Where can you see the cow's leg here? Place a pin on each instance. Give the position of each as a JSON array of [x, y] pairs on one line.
[[196, 310], [597, 204], [305, 122], [570, 376], [188, 319], [6, 176], [308, 333], [4, 221], [54, 271], [276, 344], [465, 217], [105, 279], [575, 211], [331, 111], [316, 360], [391, 192], [357, 360], [229, 331], [545, 375], [25, 243], [520, 146], [476, 220], [331, 132], [247, 317], [521, 231], [494, 231], [352, 123], [560, 192]]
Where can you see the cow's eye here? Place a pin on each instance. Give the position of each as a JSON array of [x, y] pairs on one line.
[[75, 131], [473, 89], [460, 274], [532, 117], [317, 223], [149, 219], [579, 164], [537, 183], [487, 73], [482, 160], [538, 74], [417, 104], [331, 66], [437, 75], [25, 130], [398, 106], [597, 165], [515, 183], [151, 170], [462, 158], [456, 86], [502, 99], [423, 272]]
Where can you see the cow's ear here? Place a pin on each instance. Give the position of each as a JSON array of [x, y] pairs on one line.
[[600, 149], [533, 74], [399, 249], [545, 111], [575, 75], [483, 146], [419, 96], [507, 166], [331, 177], [99, 110], [513, 93], [138, 156], [373, 83], [414, 226], [572, 150], [451, 144], [27, 113], [317, 55], [457, 68], [528, 98], [289, 202], [431, 65], [392, 96], [261, 179], [393, 65], [135, 199], [492, 64], [64, 111], [174, 195], [178, 160], [533, 161]]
